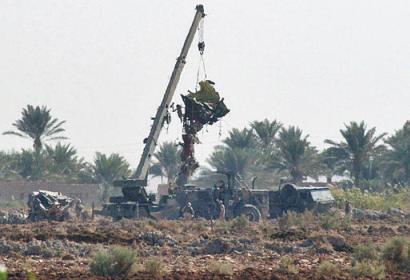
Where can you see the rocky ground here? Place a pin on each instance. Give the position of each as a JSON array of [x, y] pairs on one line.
[[292, 248]]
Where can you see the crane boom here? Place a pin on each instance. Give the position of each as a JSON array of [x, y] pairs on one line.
[[162, 112]]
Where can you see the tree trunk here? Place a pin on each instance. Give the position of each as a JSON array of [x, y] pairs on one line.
[[37, 145], [356, 175]]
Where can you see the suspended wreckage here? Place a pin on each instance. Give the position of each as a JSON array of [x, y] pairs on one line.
[[202, 107]]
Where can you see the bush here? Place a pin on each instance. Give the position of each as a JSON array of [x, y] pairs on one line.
[[395, 253], [303, 221], [239, 223], [368, 269], [286, 264], [346, 223], [327, 270], [287, 221], [114, 262], [329, 221], [372, 200], [154, 267], [3, 272], [365, 252], [220, 268]]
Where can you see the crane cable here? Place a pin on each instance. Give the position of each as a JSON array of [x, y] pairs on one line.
[[201, 48]]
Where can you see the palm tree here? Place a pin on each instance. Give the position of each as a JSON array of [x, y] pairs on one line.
[[358, 146], [241, 139], [167, 161], [110, 168], [265, 131], [234, 160], [295, 154], [37, 123], [331, 163], [397, 157], [63, 158]]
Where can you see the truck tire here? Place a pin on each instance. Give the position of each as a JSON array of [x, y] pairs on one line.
[[251, 212]]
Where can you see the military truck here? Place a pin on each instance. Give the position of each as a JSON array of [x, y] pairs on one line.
[[237, 201], [253, 203], [291, 197]]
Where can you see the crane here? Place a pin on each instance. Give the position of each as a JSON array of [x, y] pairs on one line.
[[135, 200]]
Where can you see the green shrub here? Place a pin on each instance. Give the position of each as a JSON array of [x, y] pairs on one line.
[[154, 267], [288, 220], [30, 275], [371, 269], [329, 221], [239, 223], [220, 268], [286, 264], [327, 270], [3, 272], [395, 253], [306, 220], [346, 223], [114, 262], [303, 221], [372, 200], [365, 252]]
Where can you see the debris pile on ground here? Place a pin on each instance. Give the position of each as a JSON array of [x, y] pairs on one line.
[[13, 216], [46, 205]]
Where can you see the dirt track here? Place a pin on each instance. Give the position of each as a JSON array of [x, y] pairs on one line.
[[64, 250]]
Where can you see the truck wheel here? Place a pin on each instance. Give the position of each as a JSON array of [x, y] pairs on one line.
[[251, 212]]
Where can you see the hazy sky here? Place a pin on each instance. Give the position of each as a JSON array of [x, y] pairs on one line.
[[104, 65]]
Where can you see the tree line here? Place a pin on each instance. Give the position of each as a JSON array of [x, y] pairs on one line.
[[271, 151], [60, 162], [264, 149]]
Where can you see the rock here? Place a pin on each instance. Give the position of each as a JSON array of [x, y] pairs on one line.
[[305, 243], [403, 229], [339, 243], [156, 238], [217, 246], [5, 247], [395, 212], [34, 247], [67, 258]]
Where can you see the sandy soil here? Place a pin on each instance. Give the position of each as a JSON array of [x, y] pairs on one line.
[[51, 250]]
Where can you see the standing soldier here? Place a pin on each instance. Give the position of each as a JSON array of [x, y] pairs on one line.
[[348, 209], [221, 210]]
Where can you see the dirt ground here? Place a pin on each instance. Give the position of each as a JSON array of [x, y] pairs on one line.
[[187, 249]]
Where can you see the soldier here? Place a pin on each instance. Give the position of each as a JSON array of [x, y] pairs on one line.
[[187, 211], [348, 209], [79, 209], [221, 210]]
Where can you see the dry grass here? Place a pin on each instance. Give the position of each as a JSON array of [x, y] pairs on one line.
[[154, 267], [371, 269], [114, 262], [327, 270], [220, 268], [395, 254], [286, 265]]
